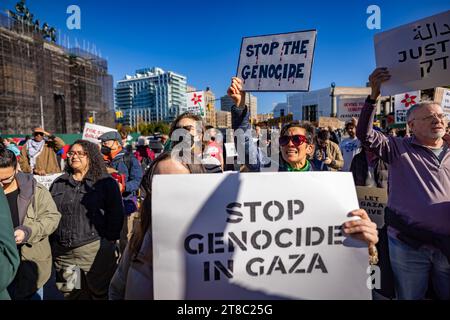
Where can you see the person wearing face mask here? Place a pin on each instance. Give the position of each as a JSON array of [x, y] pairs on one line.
[[84, 244], [35, 217], [187, 142], [126, 169], [38, 155]]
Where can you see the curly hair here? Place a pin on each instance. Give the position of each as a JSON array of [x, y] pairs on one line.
[[97, 167]]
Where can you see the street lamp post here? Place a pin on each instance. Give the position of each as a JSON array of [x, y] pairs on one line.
[[333, 100]]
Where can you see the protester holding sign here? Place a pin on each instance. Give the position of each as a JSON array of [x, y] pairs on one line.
[[35, 217], [296, 139], [92, 216], [38, 155], [419, 201]]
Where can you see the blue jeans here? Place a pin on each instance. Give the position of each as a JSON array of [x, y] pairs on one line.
[[413, 268]]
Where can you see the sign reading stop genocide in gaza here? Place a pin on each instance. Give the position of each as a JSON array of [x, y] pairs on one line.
[[277, 62], [256, 236]]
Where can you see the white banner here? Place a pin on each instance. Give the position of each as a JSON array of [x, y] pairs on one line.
[[278, 62], [47, 180], [416, 54], [404, 101], [446, 102], [92, 131], [349, 108], [196, 102], [256, 236]]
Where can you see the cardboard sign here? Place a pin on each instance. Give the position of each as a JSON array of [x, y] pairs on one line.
[[47, 180], [92, 131], [256, 236], [374, 201], [195, 102], [325, 122], [348, 108], [278, 62], [402, 103], [416, 54]]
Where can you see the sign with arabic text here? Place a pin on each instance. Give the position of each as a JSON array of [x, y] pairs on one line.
[[416, 55]]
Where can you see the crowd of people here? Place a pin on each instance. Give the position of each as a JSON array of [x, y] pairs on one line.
[[93, 226]]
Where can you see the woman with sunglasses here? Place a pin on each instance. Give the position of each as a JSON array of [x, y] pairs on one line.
[[84, 245], [35, 217], [296, 147], [38, 155]]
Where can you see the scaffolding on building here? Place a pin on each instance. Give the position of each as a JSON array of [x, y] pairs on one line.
[[70, 82]]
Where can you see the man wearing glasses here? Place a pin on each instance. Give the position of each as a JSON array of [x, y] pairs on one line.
[[418, 208], [38, 155]]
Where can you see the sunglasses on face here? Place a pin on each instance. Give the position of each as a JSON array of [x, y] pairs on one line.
[[297, 140], [38, 134]]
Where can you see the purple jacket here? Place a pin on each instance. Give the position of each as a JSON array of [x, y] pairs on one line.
[[419, 186]]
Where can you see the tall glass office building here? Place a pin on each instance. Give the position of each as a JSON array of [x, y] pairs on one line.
[[150, 95]]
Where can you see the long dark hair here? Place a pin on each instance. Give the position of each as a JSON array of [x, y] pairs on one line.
[[97, 167]]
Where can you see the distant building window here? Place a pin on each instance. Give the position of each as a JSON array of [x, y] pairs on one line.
[[310, 113]]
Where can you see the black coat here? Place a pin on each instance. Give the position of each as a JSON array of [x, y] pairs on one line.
[[89, 210]]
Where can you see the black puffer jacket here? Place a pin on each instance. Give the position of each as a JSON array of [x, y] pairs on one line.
[[90, 210]]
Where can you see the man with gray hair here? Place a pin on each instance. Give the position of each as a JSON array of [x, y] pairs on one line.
[[418, 209]]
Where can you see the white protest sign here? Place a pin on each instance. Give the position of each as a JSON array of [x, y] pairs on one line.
[[416, 54], [92, 131], [374, 201], [404, 101], [47, 180], [195, 102], [256, 236], [278, 62], [446, 102], [349, 108], [230, 149]]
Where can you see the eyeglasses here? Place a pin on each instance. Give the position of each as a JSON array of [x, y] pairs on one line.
[[80, 154], [38, 134], [439, 116], [297, 140]]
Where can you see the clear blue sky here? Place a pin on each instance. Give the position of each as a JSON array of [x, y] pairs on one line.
[[201, 39]]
